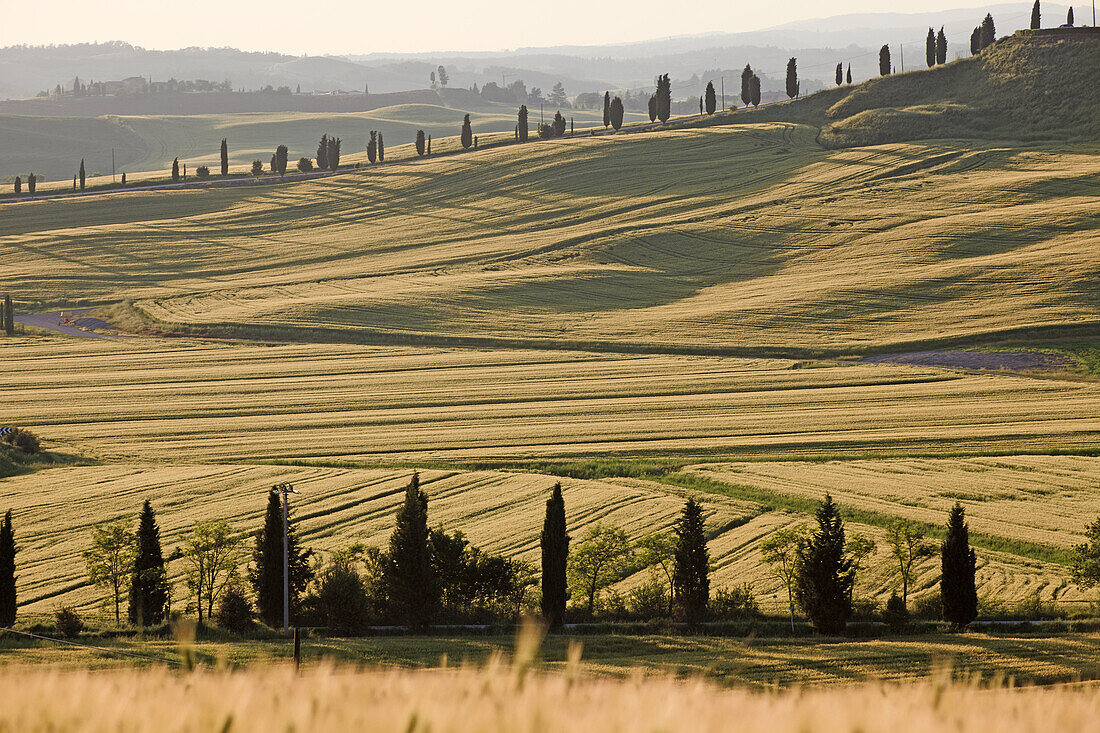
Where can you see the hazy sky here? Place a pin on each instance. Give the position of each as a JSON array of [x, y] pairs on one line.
[[355, 26]]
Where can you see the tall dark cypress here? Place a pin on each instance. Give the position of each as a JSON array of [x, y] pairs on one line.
[[1069, 17], [149, 583], [617, 113], [652, 106], [825, 575], [792, 78], [281, 154], [839, 74], [7, 572], [333, 153], [746, 85], [175, 170], [555, 556], [989, 32], [958, 590], [420, 143], [372, 147], [466, 137], [266, 573], [849, 77], [754, 90], [81, 174], [9, 314], [1036, 18], [522, 129], [690, 579], [711, 98], [664, 97], [225, 157], [941, 47], [322, 153], [884, 61], [976, 42], [381, 148], [930, 48], [606, 109], [411, 581]]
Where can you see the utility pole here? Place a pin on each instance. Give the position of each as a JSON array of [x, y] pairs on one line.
[[723, 94], [901, 49], [112, 165], [285, 490]]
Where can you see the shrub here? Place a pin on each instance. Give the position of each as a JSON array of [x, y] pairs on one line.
[[648, 600], [257, 168], [896, 614], [865, 609], [234, 612], [545, 131], [68, 622], [305, 165], [734, 603], [202, 172], [342, 601], [928, 607], [24, 440]]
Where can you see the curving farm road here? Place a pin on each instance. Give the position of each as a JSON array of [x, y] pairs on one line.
[[51, 321]]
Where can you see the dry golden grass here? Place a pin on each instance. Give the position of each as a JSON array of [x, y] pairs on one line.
[[499, 699], [1044, 499], [210, 402], [746, 236]]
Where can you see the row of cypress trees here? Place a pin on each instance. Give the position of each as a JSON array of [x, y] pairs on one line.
[[7, 316], [935, 48]]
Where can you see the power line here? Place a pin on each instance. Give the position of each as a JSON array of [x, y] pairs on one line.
[[105, 650]]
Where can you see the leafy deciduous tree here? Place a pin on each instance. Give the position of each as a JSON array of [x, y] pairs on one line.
[[780, 551], [598, 561], [212, 551], [907, 546], [110, 559]]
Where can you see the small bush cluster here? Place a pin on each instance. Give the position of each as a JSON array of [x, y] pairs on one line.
[[24, 440]]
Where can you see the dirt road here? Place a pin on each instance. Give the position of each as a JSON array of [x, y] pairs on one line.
[[51, 321]]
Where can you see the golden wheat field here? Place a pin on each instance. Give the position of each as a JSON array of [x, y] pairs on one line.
[[215, 402], [732, 237], [1044, 499], [500, 698]]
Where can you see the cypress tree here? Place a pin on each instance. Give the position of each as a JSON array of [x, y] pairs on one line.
[[333, 153], [754, 89], [792, 78], [9, 316], [941, 47], [558, 125], [555, 556], [989, 32], [825, 576], [149, 583], [690, 581], [274, 163], [123, 182], [1035, 17], [466, 137], [884, 61], [18, 185], [746, 85], [711, 98], [411, 580], [32, 181], [606, 109], [429, 146], [266, 573], [930, 48], [616, 113], [976, 42], [839, 74], [522, 130], [7, 570], [849, 73], [81, 174], [1069, 16], [322, 153], [664, 97], [225, 157], [280, 159], [175, 170], [420, 143], [652, 105], [372, 147], [381, 148], [957, 588]]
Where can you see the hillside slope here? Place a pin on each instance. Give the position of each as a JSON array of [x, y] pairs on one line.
[[1026, 87]]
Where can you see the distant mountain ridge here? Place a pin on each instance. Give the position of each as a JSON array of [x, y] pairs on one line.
[[819, 45]]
